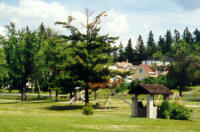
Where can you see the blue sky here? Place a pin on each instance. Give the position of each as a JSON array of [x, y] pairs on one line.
[[126, 18]]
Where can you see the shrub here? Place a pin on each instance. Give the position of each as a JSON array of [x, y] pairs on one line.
[[174, 111], [180, 112], [165, 110], [122, 87], [88, 110]]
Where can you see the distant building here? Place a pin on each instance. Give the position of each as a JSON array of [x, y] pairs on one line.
[[155, 61], [123, 66], [143, 71]]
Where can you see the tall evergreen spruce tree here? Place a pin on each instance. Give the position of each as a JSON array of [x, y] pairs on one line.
[[168, 42], [177, 36], [91, 51], [129, 51], [161, 44], [121, 56], [141, 50], [197, 36], [187, 36], [151, 45], [115, 54]]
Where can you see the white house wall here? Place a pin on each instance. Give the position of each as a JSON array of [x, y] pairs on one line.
[[152, 62]]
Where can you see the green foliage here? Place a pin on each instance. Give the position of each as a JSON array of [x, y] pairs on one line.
[[91, 52], [168, 42], [20, 48], [121, 56], [177, 36], [129, 52], [4, 69], [180, 112], [141, 50], [164, 44], [122, 87], [153, 80], [186, 63], [151, 45], [174, 111], [88, 110], [165, 110], [187, 36], [133, 85], [197, 36]]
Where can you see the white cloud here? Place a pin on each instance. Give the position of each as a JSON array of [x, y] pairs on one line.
[[33, 12], [123, 24], [2, 31], [116, 23], [189, 4]]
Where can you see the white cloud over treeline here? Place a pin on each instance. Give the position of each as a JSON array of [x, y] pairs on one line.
[[125, 23]]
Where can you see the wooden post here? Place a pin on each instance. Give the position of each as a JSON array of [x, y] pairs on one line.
[[150, 109], [165, 96], [135, 106]]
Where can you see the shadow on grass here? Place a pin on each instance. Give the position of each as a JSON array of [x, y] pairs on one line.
[[29, 98], [61, 108], [187, 89], [195, 100], [74, 107], [9, 102]]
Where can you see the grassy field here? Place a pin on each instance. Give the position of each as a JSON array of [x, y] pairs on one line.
[[48, 116]]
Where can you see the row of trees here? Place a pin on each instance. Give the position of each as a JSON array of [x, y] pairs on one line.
[[56, 62], [184, 69], [183, 53], [141, 51], [50, 61]]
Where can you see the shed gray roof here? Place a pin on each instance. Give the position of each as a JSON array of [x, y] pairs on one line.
[[151, 89]]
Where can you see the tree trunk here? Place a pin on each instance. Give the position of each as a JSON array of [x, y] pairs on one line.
[[181, 88], [95, 94], [71, 95], [10, 90], [180, 93], [23, 94], [33, 91], [56, 95], [50, 94], [37, 86], [38, 90], [86, 96]]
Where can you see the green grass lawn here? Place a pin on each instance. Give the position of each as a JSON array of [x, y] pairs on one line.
[[59, 117], [48, 116]]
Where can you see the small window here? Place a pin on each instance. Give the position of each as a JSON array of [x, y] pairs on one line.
[[140, 70]]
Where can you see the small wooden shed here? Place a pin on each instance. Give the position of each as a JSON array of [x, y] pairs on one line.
[[150, 111]]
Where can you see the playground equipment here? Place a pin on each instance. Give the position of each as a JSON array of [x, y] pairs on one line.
[[190, 95], [77, 97], [176, 95], [112, 94]]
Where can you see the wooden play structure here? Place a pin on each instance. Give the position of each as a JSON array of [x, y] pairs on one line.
[[176, 95], [190, 95], [113, 93], [79, 96], [150, 111]]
